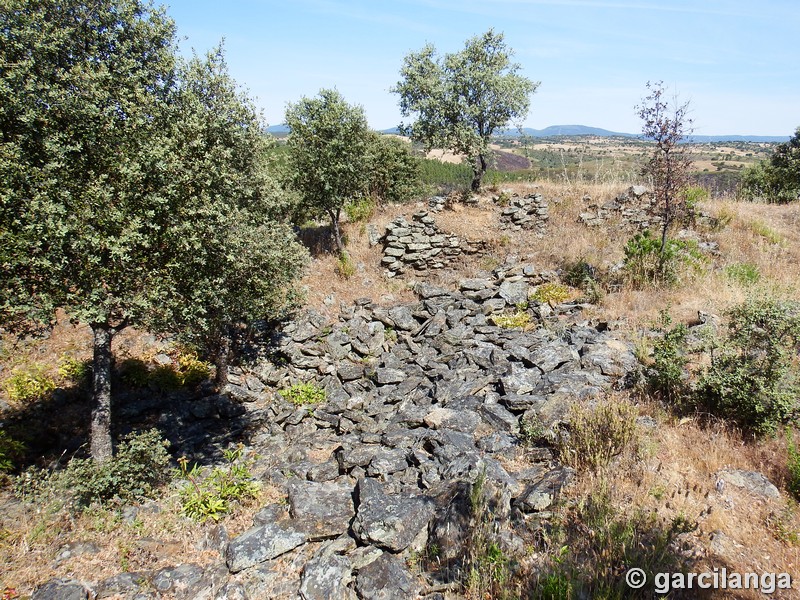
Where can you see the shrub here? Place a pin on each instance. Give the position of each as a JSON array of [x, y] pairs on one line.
[[140, 466], [191, 370], [304, 394], [29, 383], [10, 452], [582, 275], [134, 372], [211, 498], [743, 273], [344, 266], [360, 209], [597, 435], [74, 370], [646, 265], [394, 172], [519, 319], [551, 293], [752, 379], [793, 466], [666, 376]]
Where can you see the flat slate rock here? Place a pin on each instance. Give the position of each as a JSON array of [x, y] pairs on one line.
[[262, 543], [59, 589], [386, 578], [752, 481], [322, 510], [327, 578], [389, 521]]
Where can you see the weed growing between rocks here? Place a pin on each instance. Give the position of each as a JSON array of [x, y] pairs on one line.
[[214, 496], [304, 394]]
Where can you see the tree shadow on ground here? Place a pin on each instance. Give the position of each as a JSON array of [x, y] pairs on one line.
[[317, 239]]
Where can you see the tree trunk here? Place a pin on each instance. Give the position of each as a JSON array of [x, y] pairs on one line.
[[478, 171], [101, 446], [337, 235], [223, 357]]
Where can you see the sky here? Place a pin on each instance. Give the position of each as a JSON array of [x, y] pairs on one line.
[[736, 62]]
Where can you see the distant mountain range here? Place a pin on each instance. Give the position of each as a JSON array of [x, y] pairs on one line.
[[579, 130]]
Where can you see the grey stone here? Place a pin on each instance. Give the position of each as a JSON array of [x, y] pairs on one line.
[[499, 418], [542, 494], [752, 481], [514, 292], [386, 578], [327, 578], [457, 420], [124, 584], [386, 375], [321, 510], [403, 318], [60, 589], [520, 380], [552, 355], [262, 543], [389, 521]]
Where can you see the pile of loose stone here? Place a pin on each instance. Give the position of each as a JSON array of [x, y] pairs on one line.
[[635, 208], [529, 212], [422, 400], [418, 247]]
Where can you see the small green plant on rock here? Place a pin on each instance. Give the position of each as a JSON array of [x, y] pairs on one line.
[[212, 497], [520, 319], [551, 293], [304, 394]]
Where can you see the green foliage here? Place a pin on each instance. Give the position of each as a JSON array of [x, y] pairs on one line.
[[582, 275], [344, 266], [765, 231], [212, 497], [140, 466], [777, 180], [460, 100], [304, 394], [74, 370], [648, 264], [551, 293], [597, 435], [192, 370], [28, 383], [134, 372], [666, 377], [360, 209], [746, 274], [10, 451], [692, 196], [394, 170], [793, 466], [520, 319], [440, 174], [329, 154], [753, 379]]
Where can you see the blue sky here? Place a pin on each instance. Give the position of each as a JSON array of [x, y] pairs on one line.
[[736, 62]]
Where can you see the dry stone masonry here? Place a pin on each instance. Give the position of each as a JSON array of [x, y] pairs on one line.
[[421, 400], [529, 212], [636, 208]]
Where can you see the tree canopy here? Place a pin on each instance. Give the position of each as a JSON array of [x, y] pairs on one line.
[[132, 187], [777, 179], [460, 100], [329, 154]]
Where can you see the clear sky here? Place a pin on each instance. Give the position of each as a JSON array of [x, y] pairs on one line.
[[737, 62]]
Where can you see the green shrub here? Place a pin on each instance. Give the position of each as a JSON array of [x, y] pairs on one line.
[[304, 394], [753, 379], [646, 266], [597, 435], [139, 467], [666, 377], [192, 370], [359, 209], [793, 466], [743, 273], [211, 498], [164, 378], [10, 452], [520, 319], [394, 172], [74, 370], [344, 266], [550, 293], [29, 383], [582, 275], [134, 372]]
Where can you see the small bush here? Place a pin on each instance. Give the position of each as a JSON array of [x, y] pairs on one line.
[[647, 266], [134, 372], [667, 375], [29, 383], [304, 394], [164, 378], [211, 498], [191, 370], [10, 452], [597, 435], [793, 466], [753, 377], [344, 266], [768, 233], [360, 209], [582, 275], [139, 467], [743, 273], [550, 293], [520, 319], [74, 370]]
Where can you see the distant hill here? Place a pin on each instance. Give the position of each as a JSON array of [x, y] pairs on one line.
[[281, 129], [580, 130]]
